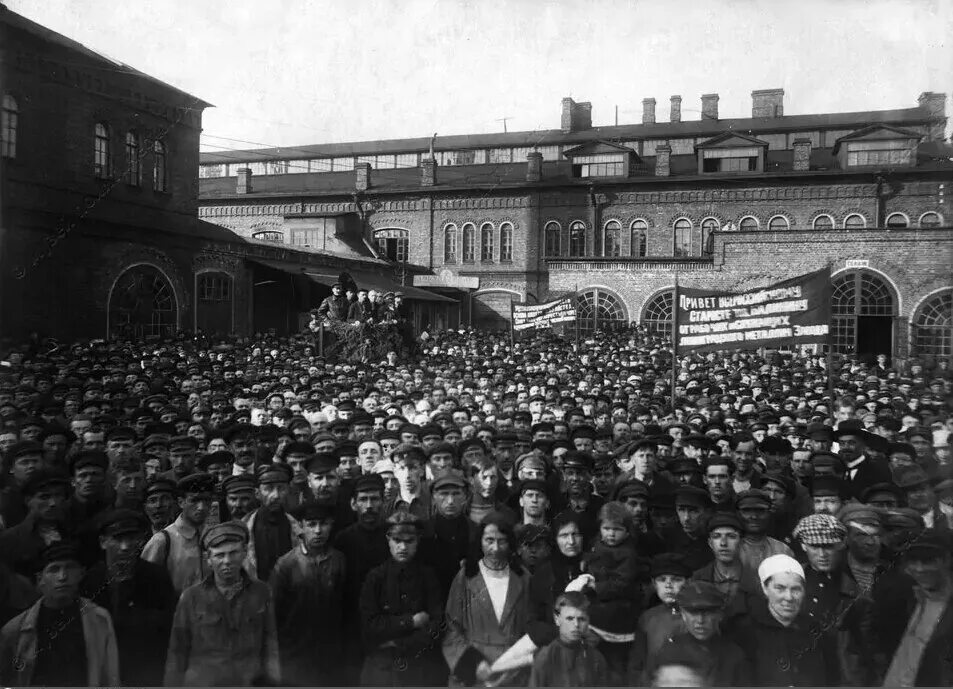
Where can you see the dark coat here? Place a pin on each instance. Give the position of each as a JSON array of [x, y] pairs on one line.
[[725, 661], [696, 551], [616, 571], [782, 656], [141, 611], [361, 311], [569, 665], [548, 581], [396, 653], [868, 473], [334, 308], [21, 545], [444, 545]]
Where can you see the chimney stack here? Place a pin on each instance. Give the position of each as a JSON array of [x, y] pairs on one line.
[[767, 103], [576, 117], [534, 166], [802, 155], [935, 106], [243, 175], [362, 176], [648, 111], [663, 160], [676, 109], [428, 172], [710, 106]]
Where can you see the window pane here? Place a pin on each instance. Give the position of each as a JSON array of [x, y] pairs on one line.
[[930, 220], [506, 242], [639, 239], [450, 244], [823, 222], [133, 162], [778, 223], [749, 223], [500, 155], [468, 243], [9, 121], [612, 243], [577, 239], [159, 167], [854, 222], [553, 232], [101, 151], [405, 160], [683, 239], [486, 243], [897, 220]]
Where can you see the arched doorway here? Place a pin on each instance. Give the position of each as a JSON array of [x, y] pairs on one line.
[[657, 315], [863, 309], [933, 326], [597, 309], [142, 304]]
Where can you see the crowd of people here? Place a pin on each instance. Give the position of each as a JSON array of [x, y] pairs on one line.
[[188, 511]]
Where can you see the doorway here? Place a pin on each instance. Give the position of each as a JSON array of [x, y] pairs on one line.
[[874, 336]]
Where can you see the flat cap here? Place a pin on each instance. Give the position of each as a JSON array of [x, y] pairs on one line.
[[312, 511], [700, 595], [160, 485], [201, 483], [89, 458], [684, 465], [533, 484], [879, 488], [403, 523], [59, 552], [903, 518], [692, 496], [322, 463], [721, 520], [122, 521], [369, 482], [23, 449], [274, 473], [243, 483], [670, 563], [531, 461], [223, 457], [225, 532], [753, 500], [577, 460], [44, 478], [929, 545], [631, 488], [860, 516], [913, 476], [820, 529], [827, 486], [450, 479]]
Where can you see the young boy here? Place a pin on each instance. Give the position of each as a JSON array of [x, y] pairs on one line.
[[401, 610], [571, 660], [308, 587], [659, 623]]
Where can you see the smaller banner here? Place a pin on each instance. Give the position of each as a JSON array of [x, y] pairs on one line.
[[526, 316], [796, 311]]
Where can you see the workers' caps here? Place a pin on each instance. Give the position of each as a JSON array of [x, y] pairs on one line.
[[692, 496], [753, 500], [880, 488], [243, 483], [827, 486], [700, 595], [383, 466], [451, 479], [269, 474], [313, 511], [779, 564], [533, 484], [61, 551], [201, 483], [633, 488], [903, 518], [530, 533], [820, 529], [403, 523], [222, 457], [226, 532], [670, 563], [159, 485], [369, 482], [118, 522], [723, 519], [530, 460], [867, 518], [322, 463], [929, 545], [912, 476]]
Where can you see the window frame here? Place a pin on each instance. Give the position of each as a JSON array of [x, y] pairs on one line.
[[506, 242], [9, 126], [577, 234], [558, 234], [487, 242], [707, 230], [855, 215], [643, 233], [823, 215], [450, 243], [617, 232], [681, 225], [757, 224], [787, 223], [895, 214], [468, 250], [160, 167], [939, 219], [133, 150], [102, 153]]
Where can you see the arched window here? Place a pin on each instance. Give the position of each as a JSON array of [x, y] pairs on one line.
[[450, 244], [486, 242], [142, 304], [506, 242], [638, 247], [469, 242], [749, 224], [393, 244], [823, 222], [897, 221], [158, 166], [577, 239], [930, 219], [9, 121], [599, 310], [862, 311], [274, 236], [855, 221], [709, 226], [657, 315], [101, 167], [933, 326], [777, 223], [612, 239], [553, 237], [133, 162], [682, 245]]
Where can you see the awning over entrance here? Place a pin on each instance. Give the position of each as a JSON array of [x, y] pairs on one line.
[[381, 283]]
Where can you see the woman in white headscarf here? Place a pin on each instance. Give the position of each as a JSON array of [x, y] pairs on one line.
[[782, 649]]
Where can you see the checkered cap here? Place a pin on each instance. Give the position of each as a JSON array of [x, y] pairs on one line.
[[820, 529]]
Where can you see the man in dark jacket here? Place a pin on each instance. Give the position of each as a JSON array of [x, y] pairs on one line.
[[862, 472], [137, 594], [45, 493], [335, 307], [446, 539]]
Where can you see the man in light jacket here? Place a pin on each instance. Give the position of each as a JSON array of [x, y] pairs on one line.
[[63, 639]]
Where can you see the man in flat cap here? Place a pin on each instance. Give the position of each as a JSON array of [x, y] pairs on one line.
[[224, 629], [63, 639], [702, 607], [401, 613], [688, 537], [240, 496], [446, 538], [754, 510], [308, 587], [864, 525], [137, 594], [90, 489], [45, 493], [272, 531], [178, 546], [159, 504]]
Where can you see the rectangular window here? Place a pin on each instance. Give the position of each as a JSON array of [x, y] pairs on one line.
[[518, 155], [479, 157], [211, 171], [214, 288], [863, 153], [406, 160], [314, 234], [297, 167], [318, 164], [385, 162], [601, 165], [682, 146], [343, 164], [774, 141], [501, 155], [550, 153], [730, 159]]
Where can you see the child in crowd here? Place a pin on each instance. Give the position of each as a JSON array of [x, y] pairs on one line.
[[613, 565], [659, 623], [572, 660]]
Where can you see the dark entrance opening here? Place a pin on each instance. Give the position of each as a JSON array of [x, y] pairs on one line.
[[874, 336]]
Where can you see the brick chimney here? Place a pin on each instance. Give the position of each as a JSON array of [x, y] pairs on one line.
[[428, 171], [802, 155], [576, 117], [935, 106], [648, 111], [663, 160], [362, 176], [243, 175], [767, 103], [676, 115], [534, 166], [710, 106]]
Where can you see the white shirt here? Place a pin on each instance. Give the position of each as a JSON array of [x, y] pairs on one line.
[[497, 585]]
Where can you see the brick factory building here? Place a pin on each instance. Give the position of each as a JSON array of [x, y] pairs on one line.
[[99, 227], [614, 213]]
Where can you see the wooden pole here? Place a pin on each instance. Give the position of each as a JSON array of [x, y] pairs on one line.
[[674, 337]]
